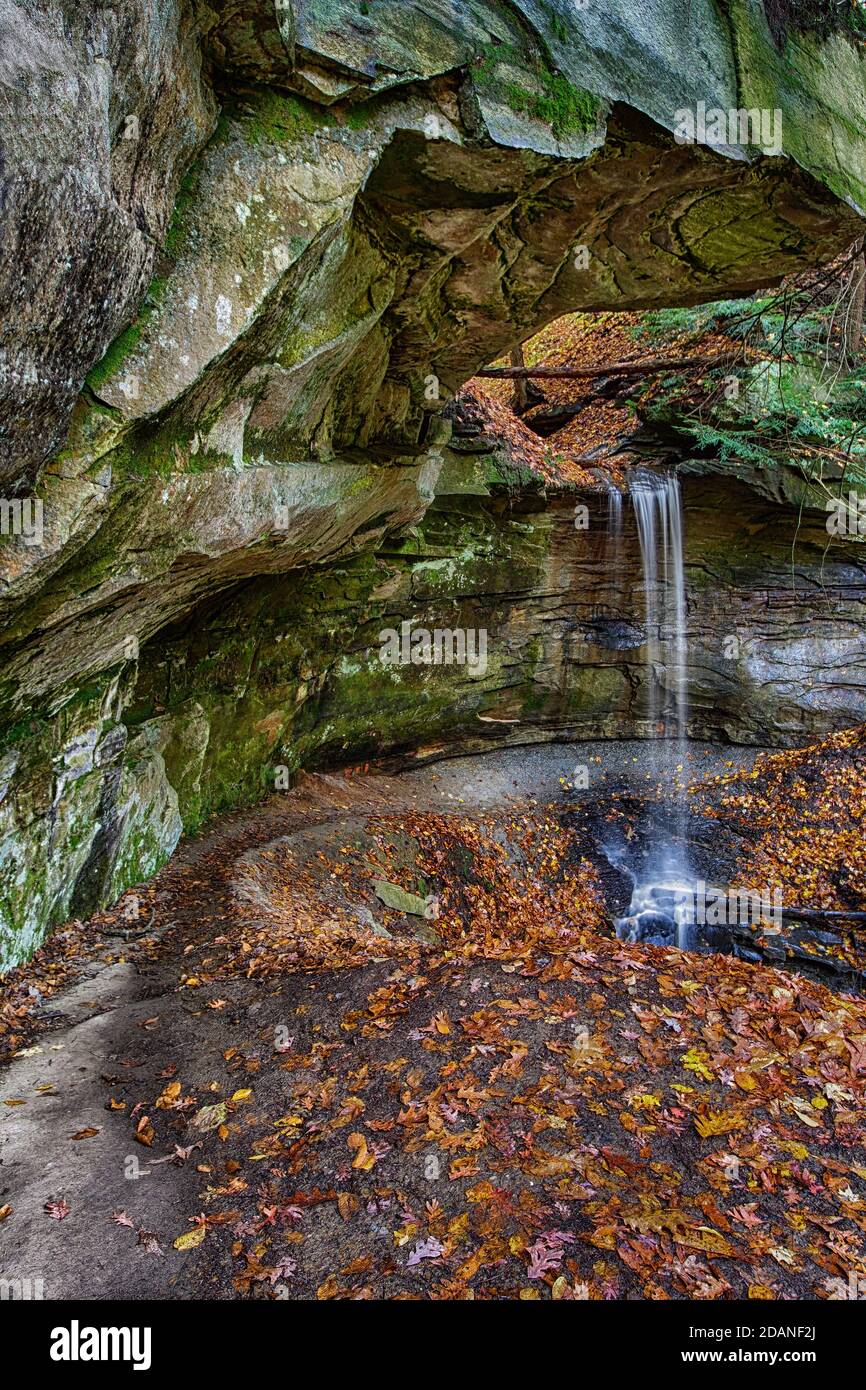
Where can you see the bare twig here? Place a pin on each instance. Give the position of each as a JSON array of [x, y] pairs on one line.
[[645, 368]]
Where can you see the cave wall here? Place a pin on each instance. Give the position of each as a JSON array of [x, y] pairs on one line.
[[290, 673], [286, 671]]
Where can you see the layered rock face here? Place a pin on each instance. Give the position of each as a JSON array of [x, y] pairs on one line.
[[249, 258], [297, 670]]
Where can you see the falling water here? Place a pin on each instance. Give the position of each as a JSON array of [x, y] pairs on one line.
[[658, 511], [657, 503], [644, 492], [614, 514], [613, 545]]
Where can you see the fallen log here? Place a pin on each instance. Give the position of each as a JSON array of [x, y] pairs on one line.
[[817, 914], [645, 368]]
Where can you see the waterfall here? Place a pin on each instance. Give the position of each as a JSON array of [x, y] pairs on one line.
[[614, 514], [658, 510], [613, 543], [657, 503], [644, 491]]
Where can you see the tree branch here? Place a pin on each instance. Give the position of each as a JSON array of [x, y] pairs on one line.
[[645, 368]]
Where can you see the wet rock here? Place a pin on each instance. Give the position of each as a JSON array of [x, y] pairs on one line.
[[652, 928]]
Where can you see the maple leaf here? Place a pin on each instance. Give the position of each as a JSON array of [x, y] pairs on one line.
[[858, 1054], [285, 1268], [710, 1124], [747, 1215]]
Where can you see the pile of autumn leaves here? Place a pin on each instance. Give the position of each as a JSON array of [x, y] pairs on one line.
[[802, 815], [599, 1121], [576, 340], [499, 887], [525, 1107]]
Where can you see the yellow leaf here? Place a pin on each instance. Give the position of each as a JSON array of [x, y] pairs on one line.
[[723, 1123], [798, 1151], [697, 1062], [644, 1101], [144, 1131], [404, 1234], [363, 1159], [483, 1191], [170, 1094], [190, 1239], [242, 1095], [804, 1112]]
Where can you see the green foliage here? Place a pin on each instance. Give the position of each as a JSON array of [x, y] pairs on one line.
[[661, 325], [175, 237], [360, 114], [803, 406], [566, 109], [732, 445], [789, 419], [126, 343]]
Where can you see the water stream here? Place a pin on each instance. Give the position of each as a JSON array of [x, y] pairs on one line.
[[663, 882]]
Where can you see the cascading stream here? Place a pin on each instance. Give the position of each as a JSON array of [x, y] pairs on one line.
[[614, 535], [657, 502]]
